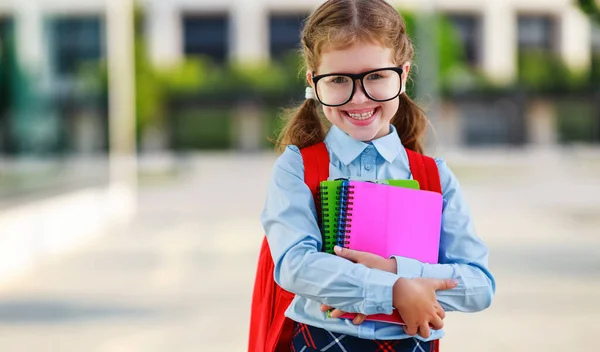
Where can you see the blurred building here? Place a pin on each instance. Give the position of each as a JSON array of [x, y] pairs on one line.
[[47, 109], [58, 185], [54, 39], [493, 32], [497, 36]]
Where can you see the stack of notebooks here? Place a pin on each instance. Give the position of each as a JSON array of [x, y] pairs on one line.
[[392, 217]]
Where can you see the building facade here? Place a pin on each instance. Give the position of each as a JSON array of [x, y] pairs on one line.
[[52, 38], [53, 35]]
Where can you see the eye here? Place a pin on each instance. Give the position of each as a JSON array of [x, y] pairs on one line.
[[338, 79], [375, 76]]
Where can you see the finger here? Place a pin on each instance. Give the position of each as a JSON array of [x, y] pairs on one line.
[[436, 323], [424, 330], [325, 307], [410, 330], [440, 311], [359, 319], [336, 313], [446, 284], [346, 253]]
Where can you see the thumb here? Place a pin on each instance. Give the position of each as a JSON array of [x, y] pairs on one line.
[[445, 284]]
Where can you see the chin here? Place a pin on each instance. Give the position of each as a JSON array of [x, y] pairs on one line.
[[363, 136]]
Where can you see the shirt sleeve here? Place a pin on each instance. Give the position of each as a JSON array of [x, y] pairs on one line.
[[290, 222], [462, 256]]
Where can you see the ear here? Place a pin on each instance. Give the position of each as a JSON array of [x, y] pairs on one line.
[[405, 71], [309, 76]]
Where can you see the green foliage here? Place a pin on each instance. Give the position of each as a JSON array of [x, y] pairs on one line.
[[595, 69], [208, 128], [591, 8], [577, 122], [155, 85], [539, 71], [251, 77], [453, 71]]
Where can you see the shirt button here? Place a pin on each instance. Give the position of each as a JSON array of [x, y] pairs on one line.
[[368, 167]]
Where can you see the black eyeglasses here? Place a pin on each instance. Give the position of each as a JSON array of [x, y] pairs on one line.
[[336, 89]]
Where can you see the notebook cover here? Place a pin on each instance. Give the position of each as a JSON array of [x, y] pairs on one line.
[[329, 195], [390, 221]]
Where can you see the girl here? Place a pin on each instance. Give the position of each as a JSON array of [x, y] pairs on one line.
[[358, 55]]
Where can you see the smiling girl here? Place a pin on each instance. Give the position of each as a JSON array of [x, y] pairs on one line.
[[358, 59]]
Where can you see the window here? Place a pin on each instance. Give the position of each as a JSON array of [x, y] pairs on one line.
[[6, 71], [536, 33], [206, 35], [468, 28], [6, 57], [75, 40], [284, 33]]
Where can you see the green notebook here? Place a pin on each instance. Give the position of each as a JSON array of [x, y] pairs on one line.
[[329, 195]]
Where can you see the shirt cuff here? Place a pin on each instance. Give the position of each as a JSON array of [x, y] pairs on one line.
[[378, 292], [408, 268]]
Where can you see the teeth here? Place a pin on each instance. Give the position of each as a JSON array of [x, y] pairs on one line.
[[362, 116]]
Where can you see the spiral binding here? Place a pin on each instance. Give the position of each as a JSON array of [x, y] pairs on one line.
[[345, 219], [324, 216]]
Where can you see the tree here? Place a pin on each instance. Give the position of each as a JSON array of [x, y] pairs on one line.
[[591, 8]]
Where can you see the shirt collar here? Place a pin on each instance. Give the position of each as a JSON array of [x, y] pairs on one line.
[[347, 148]]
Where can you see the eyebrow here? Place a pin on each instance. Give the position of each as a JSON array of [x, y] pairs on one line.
[[359, 73]]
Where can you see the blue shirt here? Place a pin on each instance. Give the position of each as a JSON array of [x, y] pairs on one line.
[[290, 222]]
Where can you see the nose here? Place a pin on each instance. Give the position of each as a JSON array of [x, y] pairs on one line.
[[359, 95]]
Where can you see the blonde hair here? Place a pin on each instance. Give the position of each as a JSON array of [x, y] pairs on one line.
[[335, 25]]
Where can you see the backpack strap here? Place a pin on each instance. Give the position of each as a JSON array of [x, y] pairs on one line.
[[425, 171], [316, 167]]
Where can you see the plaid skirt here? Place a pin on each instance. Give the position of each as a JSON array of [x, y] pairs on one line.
[[308, 338]]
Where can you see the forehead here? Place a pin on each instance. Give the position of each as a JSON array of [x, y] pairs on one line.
[[356, 58]]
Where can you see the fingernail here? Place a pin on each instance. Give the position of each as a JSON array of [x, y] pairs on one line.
[[337, 249], [454, 282]]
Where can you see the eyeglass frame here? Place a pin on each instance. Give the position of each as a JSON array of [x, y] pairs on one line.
[[355, 77]]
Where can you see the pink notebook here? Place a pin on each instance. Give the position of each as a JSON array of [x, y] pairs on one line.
[[388, 220]]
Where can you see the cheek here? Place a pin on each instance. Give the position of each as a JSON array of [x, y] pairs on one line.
[[330, 113], [391, 108]]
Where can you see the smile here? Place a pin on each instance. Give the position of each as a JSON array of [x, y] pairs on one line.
[[362, 117]]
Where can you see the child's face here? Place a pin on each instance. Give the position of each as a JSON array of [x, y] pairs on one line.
[[361, 118]]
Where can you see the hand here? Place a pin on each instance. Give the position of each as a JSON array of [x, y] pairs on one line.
[[369, 260], [417, 304], [336, 313]]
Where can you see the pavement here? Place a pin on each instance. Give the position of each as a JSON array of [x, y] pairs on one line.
[[179, 277]]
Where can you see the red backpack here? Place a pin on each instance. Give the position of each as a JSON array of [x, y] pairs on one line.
[[270, 330]]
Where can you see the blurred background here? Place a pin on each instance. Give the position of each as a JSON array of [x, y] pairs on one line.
[[135, 154]]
